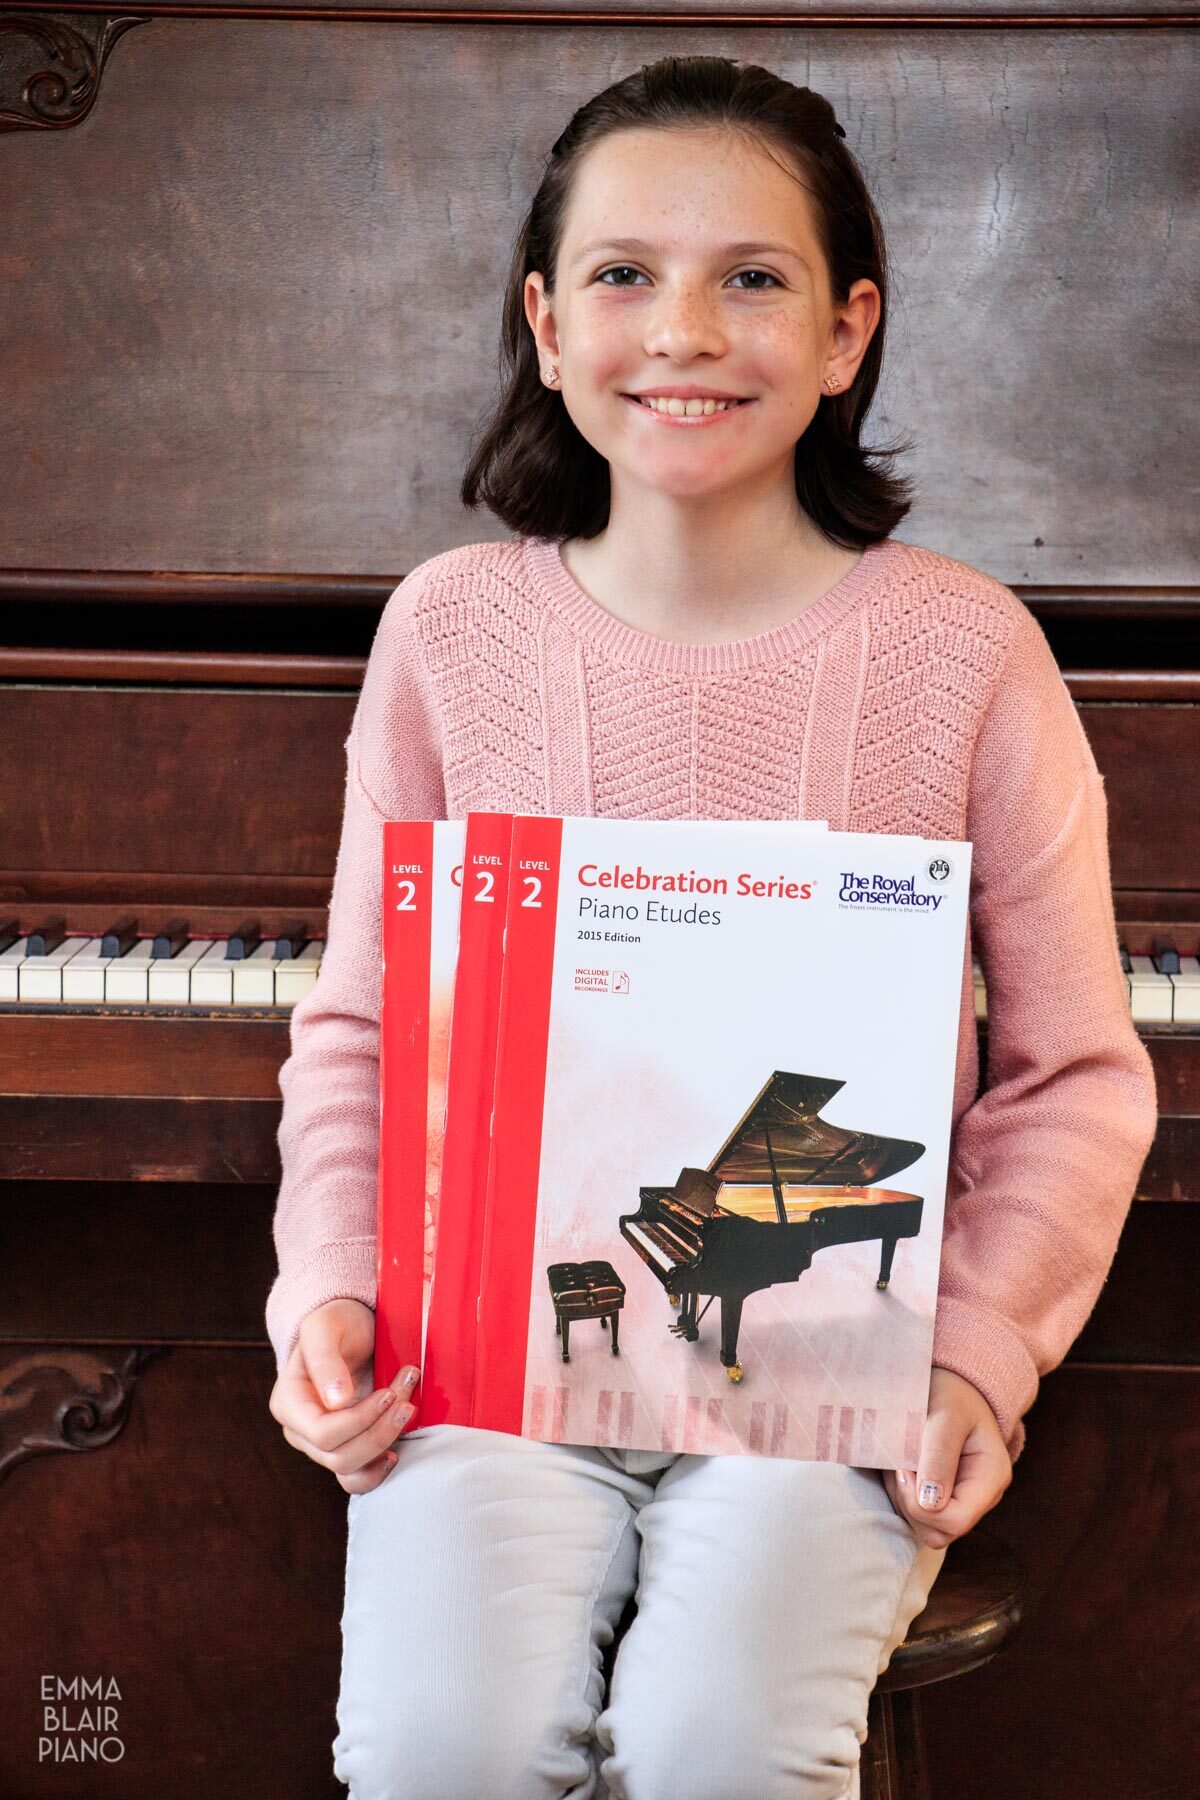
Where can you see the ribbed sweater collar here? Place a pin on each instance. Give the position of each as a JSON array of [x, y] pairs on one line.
[[626, 644]]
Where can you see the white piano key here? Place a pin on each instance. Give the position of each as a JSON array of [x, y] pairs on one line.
[[651, 1248], [40, 977], [254, 977], [170, 977], [295, 975], [212, 976], [126, 979], [980, 989], [83, 977], [1150, 994], [1186, 991], [10, 966]]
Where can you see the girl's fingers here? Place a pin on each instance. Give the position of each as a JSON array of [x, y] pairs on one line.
[[975, 1493], [331, 1431], [933, 1529], [296, 1404], [362, 1481], [366, 1446]]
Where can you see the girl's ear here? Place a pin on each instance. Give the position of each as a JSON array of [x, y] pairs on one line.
[[535, 300], [540, 316]]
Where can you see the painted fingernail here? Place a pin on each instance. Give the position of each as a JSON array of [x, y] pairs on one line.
[[403, 1414], [931, 1493], [386, 1400], [389, 1463], [409, 1378]]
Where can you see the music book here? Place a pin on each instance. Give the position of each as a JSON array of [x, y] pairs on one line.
[[447, 1356], [422, 874], [448, 1360], [423, 1111], [719, 1138]]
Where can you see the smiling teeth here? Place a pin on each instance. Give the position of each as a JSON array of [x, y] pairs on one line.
[[691, 409]]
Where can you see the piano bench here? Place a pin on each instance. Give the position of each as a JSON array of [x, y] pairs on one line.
[[585, 1290], [974, 1608]]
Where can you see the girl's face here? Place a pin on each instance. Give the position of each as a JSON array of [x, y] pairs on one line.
[[690, 259]]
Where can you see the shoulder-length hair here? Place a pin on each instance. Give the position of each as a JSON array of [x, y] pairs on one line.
[[532, 466]]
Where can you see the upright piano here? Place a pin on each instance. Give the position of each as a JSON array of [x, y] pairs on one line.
[[173, 750]]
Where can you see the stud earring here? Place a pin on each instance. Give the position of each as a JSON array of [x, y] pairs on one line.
[[832, 383], [549, 376]]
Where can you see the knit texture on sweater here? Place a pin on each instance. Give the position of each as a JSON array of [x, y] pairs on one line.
[[917, 695]]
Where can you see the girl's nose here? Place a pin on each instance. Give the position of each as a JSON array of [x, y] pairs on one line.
[[684, 320]]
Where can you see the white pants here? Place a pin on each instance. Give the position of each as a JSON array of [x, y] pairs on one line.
[[486, 1574]]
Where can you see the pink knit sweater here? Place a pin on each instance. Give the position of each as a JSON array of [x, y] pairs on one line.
[[917, 695]]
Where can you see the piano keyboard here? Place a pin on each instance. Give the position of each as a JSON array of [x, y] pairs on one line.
[[120, 969], [657, 1255], [1162, 989]]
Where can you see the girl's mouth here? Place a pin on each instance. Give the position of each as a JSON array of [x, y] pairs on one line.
[[666, 418]]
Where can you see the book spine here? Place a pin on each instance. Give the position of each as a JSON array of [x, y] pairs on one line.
[[514, 1158], [403, 1094], [447, 1374]]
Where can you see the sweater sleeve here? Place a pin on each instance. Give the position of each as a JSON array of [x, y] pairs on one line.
[[1044, 1163], [324, 1223]]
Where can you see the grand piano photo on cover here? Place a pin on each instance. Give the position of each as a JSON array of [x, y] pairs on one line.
[[740, 1224]]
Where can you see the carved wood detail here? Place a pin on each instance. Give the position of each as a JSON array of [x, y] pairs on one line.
[[63, 1399], [52, 80]]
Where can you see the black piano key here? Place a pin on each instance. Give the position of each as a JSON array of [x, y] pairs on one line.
[[119, 938], [46, 939], [9, 933], [291, 940], [243, 941], [170, 940], [1168, 962]]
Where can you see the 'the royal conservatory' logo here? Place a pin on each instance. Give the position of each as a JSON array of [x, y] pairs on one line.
[[895, 892]]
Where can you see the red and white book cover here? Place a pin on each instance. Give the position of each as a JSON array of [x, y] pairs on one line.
[[447, 1373], [721, 1122], [451, 1350], [448, 1369], [422, 875]]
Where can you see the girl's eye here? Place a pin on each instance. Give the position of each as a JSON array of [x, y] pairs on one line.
[[765, 272], [627, 269]]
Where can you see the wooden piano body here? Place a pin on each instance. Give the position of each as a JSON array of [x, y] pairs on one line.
[[138, 1159]]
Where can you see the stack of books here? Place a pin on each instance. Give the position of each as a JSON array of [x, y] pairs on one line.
[[665, 1119]]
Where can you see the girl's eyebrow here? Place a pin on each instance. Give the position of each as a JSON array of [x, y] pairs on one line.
[[746, 248]]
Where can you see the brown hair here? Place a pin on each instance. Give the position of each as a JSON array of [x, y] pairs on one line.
[[534, 468]]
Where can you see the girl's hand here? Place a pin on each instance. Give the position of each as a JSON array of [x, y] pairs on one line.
[[323, 1398], [964, 1466]]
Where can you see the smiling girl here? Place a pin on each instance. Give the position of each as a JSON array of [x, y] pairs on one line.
[[703, 614]]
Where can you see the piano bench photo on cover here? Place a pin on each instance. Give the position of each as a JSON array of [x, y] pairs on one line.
[[587, 1290]]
